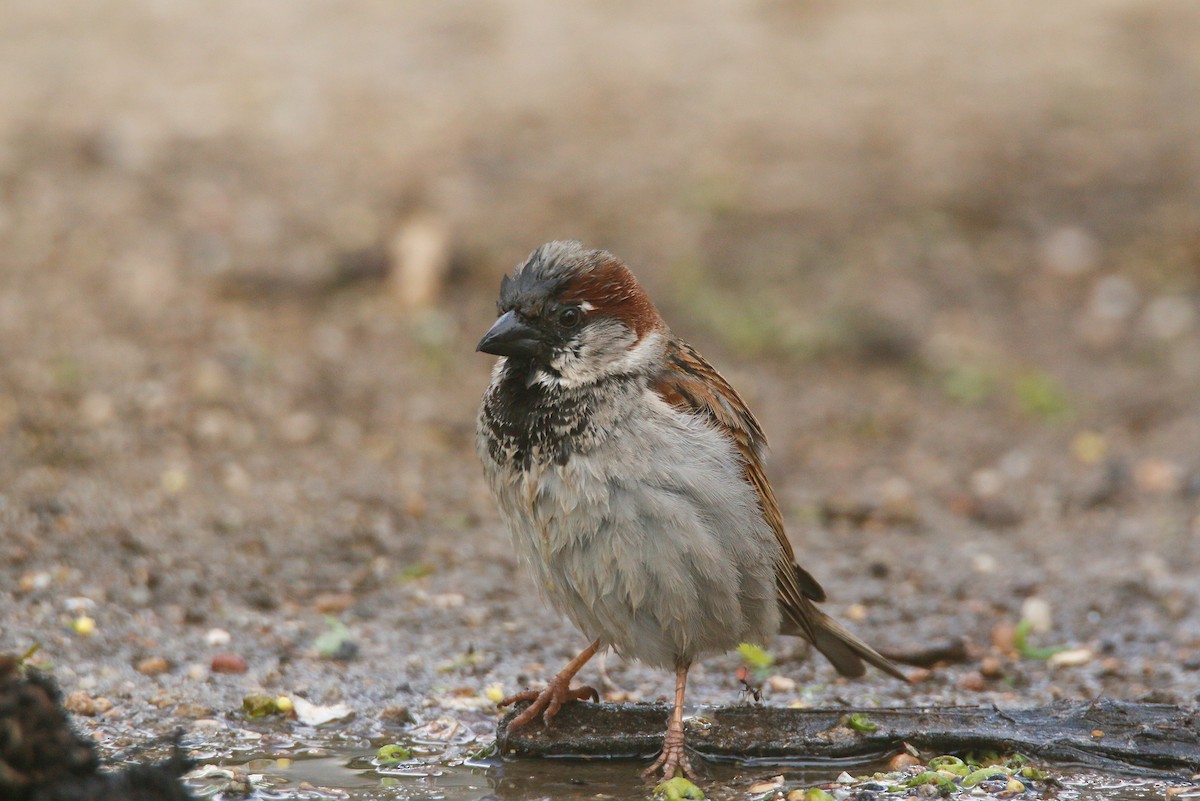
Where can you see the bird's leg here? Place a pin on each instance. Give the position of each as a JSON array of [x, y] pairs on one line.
[[557, 692], [673, 759]]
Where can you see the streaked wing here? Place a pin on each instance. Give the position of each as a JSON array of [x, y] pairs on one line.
[[689, 383]]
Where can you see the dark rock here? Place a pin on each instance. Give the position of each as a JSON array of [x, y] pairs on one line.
[[43, 759]]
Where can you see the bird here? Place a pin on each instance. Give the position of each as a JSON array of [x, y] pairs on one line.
[[630, 475]]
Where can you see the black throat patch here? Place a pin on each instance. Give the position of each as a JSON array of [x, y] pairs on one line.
[[527, 423]]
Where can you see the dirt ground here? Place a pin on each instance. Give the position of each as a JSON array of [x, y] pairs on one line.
[[950, 254]]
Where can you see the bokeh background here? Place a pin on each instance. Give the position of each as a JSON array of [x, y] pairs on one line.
[[950, 253]]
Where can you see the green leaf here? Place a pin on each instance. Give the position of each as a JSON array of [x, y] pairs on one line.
[[678, 789], [392, 754], [816, 794], [259, 705], [331, 642], [417, 570], [1021, 641], [756, 657], [983, 774], [944, 785], [486, 752], [949, 763], [860, 722], [1039, 395]]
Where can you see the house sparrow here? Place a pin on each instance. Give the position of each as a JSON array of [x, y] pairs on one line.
[[630, 475]]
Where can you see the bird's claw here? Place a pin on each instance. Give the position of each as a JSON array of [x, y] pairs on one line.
[[547, 702], [673, 760]]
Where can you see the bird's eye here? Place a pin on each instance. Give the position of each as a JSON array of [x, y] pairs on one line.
[[570, 317]]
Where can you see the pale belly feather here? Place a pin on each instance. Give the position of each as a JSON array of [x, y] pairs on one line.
[[652, 542]]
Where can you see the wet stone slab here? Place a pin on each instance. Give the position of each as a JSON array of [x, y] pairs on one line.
[[1112, 735]]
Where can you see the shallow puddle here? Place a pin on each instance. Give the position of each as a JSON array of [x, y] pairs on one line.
[[308, 773]]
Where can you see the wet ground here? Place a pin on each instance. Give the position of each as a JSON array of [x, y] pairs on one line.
[[237, 456], [296, 762]]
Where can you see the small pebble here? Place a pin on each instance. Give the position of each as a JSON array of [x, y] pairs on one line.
[[991, 668], [1072, 658], [79, 604], [781, 684], [1037, 611], [903, 760], [1169, 316], [397, 715], [972, 682], [419, 260], [80, 703], [758, 788], [173, 480], [1157, 476], [216, 637], [153, 666], [447, 600], [899, 504], [332, 603], [1089, 447], [229, 663], [1004, 636], [187, 709], [984, 563], [37, 580], [987, 483]]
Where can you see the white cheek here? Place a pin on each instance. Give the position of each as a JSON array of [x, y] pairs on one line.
[[607, 351], [645, 354]]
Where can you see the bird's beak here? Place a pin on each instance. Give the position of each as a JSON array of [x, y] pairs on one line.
[[508, 336]]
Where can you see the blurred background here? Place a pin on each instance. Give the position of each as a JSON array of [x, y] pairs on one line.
[[950, 253]]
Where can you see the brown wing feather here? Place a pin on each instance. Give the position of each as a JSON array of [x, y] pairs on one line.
[[689, 383]]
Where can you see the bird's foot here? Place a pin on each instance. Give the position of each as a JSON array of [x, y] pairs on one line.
[[673, 760], [547, 702]]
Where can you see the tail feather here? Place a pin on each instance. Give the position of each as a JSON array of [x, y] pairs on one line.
[[845, 650]]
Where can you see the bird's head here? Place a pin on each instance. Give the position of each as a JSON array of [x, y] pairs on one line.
[[574, 316]]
